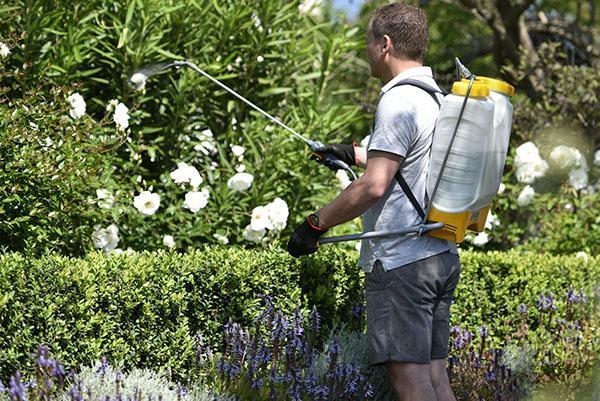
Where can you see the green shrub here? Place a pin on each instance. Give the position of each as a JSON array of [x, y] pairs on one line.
[[146, 308], [287, 62]]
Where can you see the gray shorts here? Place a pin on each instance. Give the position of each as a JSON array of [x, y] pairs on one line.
[[408, 309]]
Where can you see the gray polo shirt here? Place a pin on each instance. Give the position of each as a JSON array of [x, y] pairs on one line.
[[404, 124]]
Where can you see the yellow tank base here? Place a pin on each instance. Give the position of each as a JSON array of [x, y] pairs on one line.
[[481, 216], [455, 224]]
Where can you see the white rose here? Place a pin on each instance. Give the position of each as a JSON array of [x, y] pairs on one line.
[[168, 241], [77, 105], [260, 59], [567, 157], [343, 179], [528, 172], [221, 239], [481, 239], [107, 238], [237, 150], [4, 50], [240, 168], [186, 174], [491, 221], [253, 235], [578, 178], [526, 153], [196, 200], [278, 213], [582, 255], [147, 202], [121, 117], [597, 158], [105, 198], [526, 196], [139, 80], [240, 181], [260, 219], [311, 7]]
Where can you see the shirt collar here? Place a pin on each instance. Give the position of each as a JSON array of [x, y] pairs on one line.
[[422, 71]]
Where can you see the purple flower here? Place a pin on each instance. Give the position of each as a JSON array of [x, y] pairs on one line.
[[484, 332], [522, 309], [257, 383], [58, 370], [118, 376], [17, 390], [104, 365], [369, 391], [2, 388], [334, 348], [545, 303], [315, 321], [357, 310], [490, 376], [181, 392], [455, 330], [75, 393]]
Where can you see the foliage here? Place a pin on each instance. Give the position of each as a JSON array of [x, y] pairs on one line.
[[145, 308], [94, 47]]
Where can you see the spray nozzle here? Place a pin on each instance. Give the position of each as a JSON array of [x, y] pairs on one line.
[[461, 70]]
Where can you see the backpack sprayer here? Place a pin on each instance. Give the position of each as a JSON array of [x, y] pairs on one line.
[[477, 115], [138, 79], [468, 153]]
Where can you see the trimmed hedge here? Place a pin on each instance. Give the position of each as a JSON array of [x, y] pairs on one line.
[[145, 308]]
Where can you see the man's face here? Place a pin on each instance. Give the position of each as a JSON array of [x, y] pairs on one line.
[[374, 54]]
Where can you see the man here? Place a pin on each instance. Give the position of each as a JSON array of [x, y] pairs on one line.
[[409, 281]]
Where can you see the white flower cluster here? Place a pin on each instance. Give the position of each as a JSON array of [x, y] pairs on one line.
[[4, 50], [272, 217], [257, 22], [568, 158], [147, 202], [186, 174], [121, 114], [107, 238], [313, 8], [529, 163], [78, 105], [240, 182], [483, 237], [526, 196], [207, 145], [238, 151], [597, 158]]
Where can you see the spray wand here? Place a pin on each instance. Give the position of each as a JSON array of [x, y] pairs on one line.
[[138, 79]]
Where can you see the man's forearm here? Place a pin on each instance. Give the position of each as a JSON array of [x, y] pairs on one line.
[[351, 203]]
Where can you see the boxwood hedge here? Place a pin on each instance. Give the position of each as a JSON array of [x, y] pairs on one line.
[[145, 308]]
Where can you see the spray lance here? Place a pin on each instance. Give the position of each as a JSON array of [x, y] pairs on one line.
[[138, 79]]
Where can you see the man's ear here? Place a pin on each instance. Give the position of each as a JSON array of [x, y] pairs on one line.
[[387, 43]]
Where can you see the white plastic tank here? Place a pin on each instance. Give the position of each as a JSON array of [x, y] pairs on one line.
[[463, 184], [500, 93]]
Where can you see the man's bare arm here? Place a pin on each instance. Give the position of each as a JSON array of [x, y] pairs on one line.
[[359, 196]]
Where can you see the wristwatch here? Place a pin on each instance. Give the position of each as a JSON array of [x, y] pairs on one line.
[[313, 221]]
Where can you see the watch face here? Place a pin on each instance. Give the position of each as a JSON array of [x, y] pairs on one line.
[[314, 220]]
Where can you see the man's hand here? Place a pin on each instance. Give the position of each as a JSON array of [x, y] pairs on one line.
[[305, 238], [345, 153]]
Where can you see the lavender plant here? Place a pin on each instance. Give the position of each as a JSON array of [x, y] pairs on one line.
[[280, 360], [100, 382]]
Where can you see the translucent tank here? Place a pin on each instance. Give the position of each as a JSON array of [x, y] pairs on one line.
[[462, 186]]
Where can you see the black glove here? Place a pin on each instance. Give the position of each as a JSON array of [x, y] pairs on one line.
[[305, 239], [340, 151]]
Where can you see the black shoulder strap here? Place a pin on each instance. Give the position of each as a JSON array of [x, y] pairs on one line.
[[401, 181]]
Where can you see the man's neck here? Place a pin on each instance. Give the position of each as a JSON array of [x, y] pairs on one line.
[[397, 66]]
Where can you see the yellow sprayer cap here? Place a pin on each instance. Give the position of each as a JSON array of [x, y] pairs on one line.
[[496, 85], [479, 89]]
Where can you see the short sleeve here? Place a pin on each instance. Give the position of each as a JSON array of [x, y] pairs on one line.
[[395, 126]]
